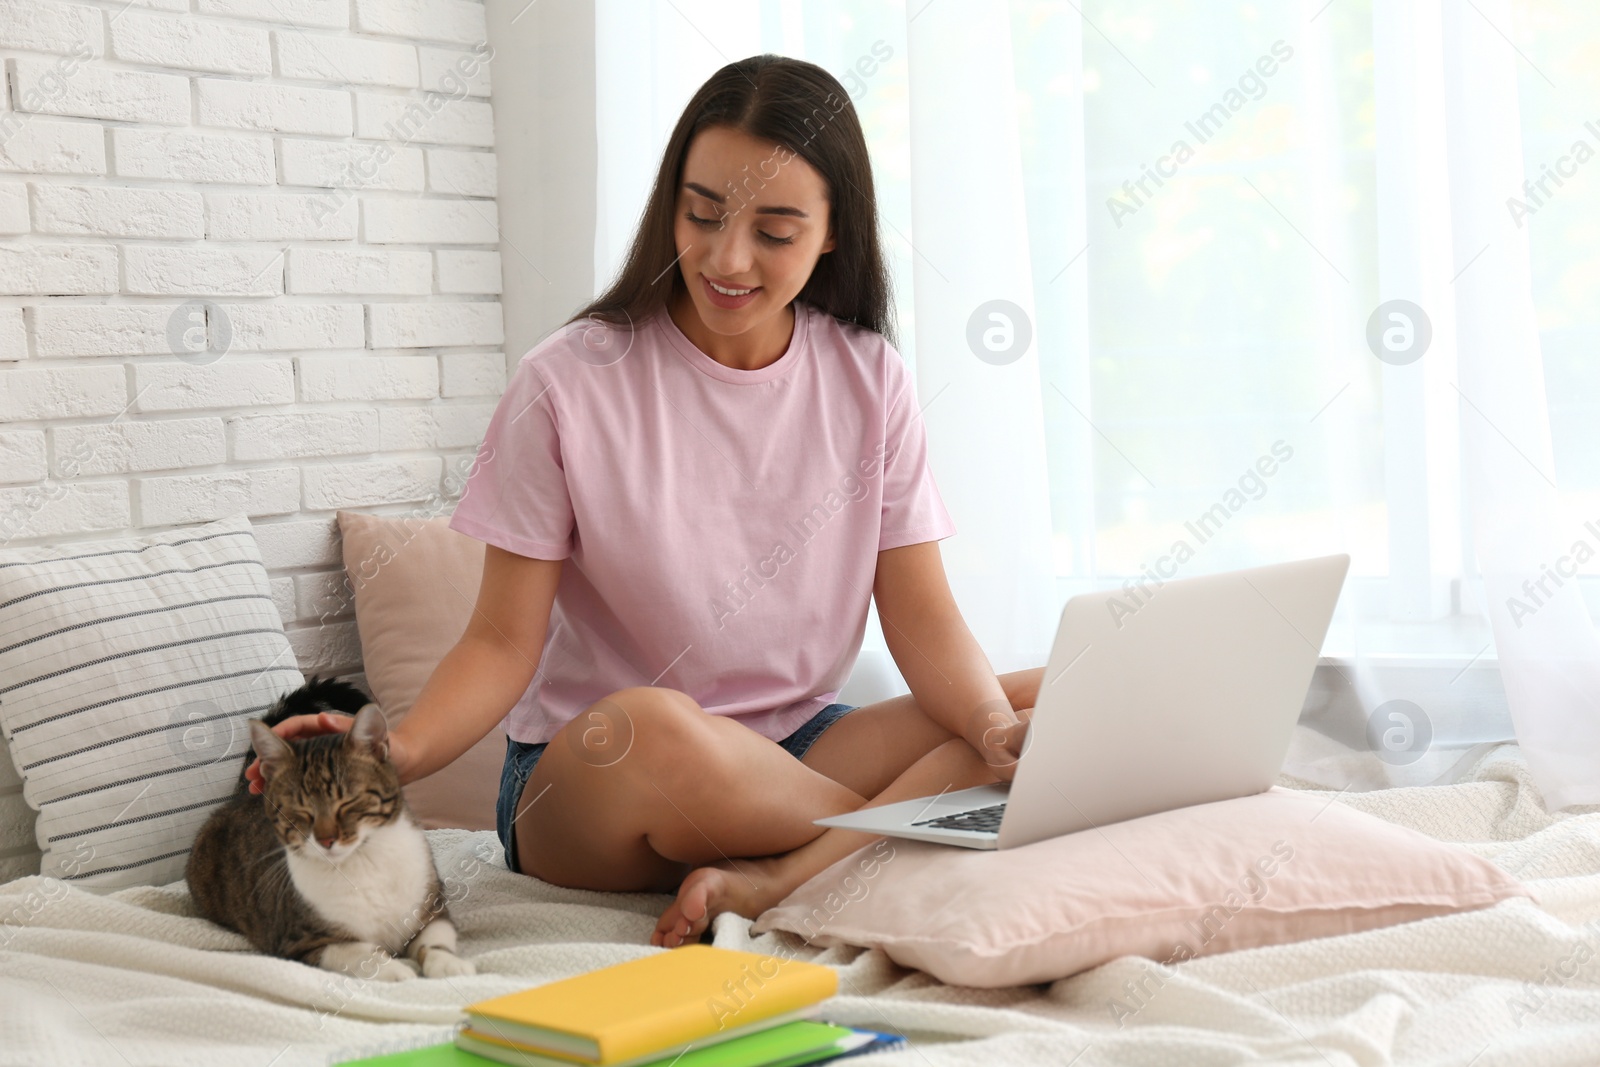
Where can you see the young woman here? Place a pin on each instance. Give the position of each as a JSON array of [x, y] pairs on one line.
[[688, 495]]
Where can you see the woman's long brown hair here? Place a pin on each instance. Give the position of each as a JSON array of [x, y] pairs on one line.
[[802, 108]]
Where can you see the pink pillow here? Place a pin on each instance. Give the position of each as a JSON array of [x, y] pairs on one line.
[[416, 582], [1266, 869]]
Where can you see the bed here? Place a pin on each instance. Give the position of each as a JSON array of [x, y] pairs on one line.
[[134, 977]]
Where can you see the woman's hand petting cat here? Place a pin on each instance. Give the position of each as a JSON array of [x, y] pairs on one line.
[[324, 722]]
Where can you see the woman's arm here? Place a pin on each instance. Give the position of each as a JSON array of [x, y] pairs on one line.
[[477, 681], [486, 672], [950, 677]]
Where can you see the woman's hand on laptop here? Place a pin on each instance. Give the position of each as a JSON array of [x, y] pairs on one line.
[[1000, 741]]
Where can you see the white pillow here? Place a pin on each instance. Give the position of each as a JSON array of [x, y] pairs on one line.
[[127, 671]]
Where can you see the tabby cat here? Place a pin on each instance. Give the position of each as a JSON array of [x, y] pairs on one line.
[[325, 865]]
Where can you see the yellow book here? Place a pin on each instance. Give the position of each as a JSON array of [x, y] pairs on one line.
[[663, 1000], [533, 1056]]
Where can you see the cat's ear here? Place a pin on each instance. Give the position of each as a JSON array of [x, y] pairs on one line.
[[273, 751], [370, 731]]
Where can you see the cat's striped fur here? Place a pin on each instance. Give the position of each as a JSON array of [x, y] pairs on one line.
[[325, 865]]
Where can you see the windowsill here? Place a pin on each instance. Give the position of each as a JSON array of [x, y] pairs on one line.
[[1455, 641]]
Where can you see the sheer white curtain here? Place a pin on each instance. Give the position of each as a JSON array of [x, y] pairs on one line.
[[1470, 472], [977, 353], [1549, 656], [1196, 217]]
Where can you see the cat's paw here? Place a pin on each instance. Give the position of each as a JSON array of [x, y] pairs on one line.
[[392, 970], [362, 959], [442, 963]]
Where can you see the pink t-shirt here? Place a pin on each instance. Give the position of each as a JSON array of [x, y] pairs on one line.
[[721, 527]]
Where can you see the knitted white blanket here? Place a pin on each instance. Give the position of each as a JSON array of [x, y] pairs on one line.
[[133, 978]]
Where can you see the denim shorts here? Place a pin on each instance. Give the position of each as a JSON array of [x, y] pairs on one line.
[[521, 756]]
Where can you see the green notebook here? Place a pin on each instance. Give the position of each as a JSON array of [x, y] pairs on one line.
[[788, 1045], [446, 1055]]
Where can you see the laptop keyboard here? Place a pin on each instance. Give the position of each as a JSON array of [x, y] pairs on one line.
[[978, 820]]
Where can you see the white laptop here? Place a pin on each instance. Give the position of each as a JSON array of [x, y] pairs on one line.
[[1153, 699]]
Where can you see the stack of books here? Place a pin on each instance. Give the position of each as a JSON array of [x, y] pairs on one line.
[[694, 1006]]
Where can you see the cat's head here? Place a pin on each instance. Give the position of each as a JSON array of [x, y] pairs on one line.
[[326, 794]]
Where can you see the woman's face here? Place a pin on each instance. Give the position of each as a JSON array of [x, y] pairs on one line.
[[759, 222]]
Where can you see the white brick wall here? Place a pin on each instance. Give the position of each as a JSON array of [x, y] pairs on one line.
[[249, 264]]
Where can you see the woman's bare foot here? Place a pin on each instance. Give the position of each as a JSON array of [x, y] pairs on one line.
[[746, 887]]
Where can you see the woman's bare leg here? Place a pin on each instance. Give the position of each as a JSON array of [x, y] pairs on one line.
[[645, 787], [874, 749], [751, 886]]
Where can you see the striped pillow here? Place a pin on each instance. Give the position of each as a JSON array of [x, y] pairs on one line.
[[19, 853], [127, 671]]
